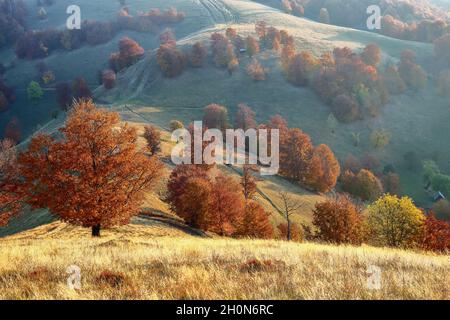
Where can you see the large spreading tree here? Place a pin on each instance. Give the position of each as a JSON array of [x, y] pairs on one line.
[[92, 175]]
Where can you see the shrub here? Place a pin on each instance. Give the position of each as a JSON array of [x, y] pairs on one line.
[[395, 222]]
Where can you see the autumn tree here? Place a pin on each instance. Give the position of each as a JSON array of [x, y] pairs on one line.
[[245, 117], [289, 206], [189, 191], [129, 53], [198, 55], [395, 222], [153, 138], [324, 169], [171, 60], [294, 232], [301, 68], [288, 52], [338, 220], [255, 222], [93, 175], [10, 191], [295, 155], [81, 89], [215, 117], [252, 46], [436, 234], [364, 185], [371, 55], [227, 205], [256, 70]]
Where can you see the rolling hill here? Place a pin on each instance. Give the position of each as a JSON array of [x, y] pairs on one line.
[[143, 95]]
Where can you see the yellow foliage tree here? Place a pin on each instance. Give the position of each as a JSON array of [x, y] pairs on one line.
[[395, 222]]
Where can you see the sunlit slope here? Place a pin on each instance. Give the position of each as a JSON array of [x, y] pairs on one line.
[[149, 262]]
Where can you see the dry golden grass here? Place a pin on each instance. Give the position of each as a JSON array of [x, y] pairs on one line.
[[156, 262]]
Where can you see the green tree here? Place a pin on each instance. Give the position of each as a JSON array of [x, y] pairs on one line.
[[395, 222], [34, 91]]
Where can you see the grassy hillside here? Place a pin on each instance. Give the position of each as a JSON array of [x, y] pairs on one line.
[[156, 262], [417, 121]]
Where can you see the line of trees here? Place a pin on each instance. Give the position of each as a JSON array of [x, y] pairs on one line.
[[218, 203], [39, 44], [407, 20], [389, 221]]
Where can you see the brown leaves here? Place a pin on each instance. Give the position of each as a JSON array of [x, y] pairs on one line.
[[94, 175]]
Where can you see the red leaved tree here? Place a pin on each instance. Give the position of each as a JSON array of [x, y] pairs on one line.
[[436, 235], [93, 176], [338, 220]]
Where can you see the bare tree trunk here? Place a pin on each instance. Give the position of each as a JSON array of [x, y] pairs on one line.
[[288, 229], [96, 230]]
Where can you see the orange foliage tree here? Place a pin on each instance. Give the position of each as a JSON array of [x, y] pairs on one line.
[[227, 205], [256, 70], [188, 194], [153, 137], [252, 46], [436, 234], [93, 176], [295, 154], [129, 53], [338, 220], [255, 222], [324, 169]]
